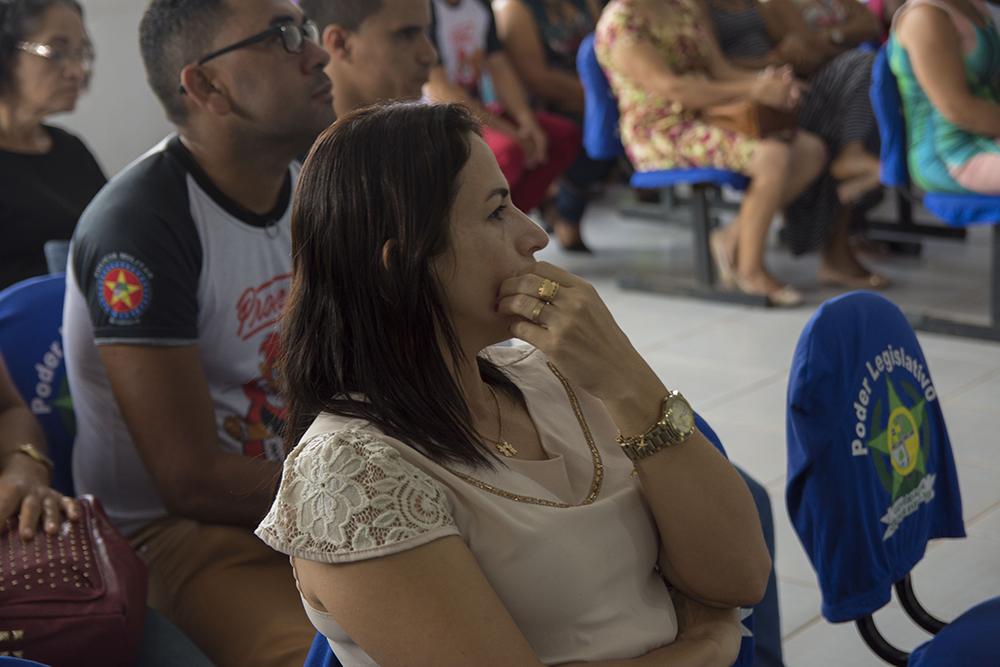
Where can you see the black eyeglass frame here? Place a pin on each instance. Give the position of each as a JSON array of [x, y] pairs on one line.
[[266, 34], [308, 32]]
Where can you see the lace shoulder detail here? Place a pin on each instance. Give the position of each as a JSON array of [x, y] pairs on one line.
[[349, 496]]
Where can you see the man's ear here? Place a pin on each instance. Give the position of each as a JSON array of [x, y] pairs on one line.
[[336, 41], [202, 91]]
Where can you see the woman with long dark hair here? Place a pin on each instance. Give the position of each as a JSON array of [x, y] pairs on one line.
[[49, 176], [447, 502]]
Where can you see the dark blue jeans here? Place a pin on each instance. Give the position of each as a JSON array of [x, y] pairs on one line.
[[767, 625], [577, 183], [164, 645]]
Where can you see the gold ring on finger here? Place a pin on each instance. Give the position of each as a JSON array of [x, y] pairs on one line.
[[547, 290], [536, 312]]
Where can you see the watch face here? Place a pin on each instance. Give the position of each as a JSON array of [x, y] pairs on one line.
[[681, 415]]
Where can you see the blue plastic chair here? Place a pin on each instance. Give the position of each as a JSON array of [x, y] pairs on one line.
[[31, 343], [601, 141], [871, 476], [320, 653], [955, 210], [748, 644], [11, 661], [56, 255]]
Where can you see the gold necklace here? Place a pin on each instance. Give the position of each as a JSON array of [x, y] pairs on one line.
[[500, 444], [595, 484]]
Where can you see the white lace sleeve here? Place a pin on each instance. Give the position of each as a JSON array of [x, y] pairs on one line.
[[348, 496]]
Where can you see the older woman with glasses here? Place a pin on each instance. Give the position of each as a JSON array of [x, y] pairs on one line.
[[49, 175]]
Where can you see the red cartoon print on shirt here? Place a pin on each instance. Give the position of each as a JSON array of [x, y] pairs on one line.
[[259, 431], [469, 54]]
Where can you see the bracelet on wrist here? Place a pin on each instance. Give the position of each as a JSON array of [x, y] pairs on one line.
[[36, 455]]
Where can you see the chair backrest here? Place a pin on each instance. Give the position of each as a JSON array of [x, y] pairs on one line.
[[748, 643], [320, 653], [871, 476], [971, 639], [56, 255], [9, 661], [600, 116], [31, 344], [888, 107]]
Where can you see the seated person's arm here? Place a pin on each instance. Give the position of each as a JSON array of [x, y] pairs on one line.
[[719, 67], [440, 89], [930, 39], [432, 606], [519, 33], [644, 63], [796, 43], [711, 543], [770, 59], [514, 100], [859, 27], [510, 92], [164, 398], [24, 482]]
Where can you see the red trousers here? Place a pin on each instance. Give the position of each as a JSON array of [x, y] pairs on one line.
[[528, 187]]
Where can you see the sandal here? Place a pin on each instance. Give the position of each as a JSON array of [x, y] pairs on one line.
[[785, 296], [872, 281]]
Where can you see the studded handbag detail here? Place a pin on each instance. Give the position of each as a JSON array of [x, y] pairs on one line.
[[77, 598]]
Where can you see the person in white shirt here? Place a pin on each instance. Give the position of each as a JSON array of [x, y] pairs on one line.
[[177, 274]]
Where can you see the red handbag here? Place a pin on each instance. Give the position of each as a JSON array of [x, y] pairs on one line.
[[75, 599]]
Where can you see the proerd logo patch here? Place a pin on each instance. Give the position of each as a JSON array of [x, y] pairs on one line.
[[124, 288]]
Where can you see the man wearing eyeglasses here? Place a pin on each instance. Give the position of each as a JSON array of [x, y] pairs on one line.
[[380, 50], [178, 273]]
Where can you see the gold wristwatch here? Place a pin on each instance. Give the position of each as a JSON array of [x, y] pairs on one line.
[[675, 425]]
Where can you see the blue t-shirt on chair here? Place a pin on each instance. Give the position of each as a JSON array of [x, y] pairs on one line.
[[871, 476]]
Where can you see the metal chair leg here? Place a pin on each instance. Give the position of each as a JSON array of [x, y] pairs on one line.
[[913, 608], [703, 284], [704, 269], [905, 226], [879, 645], [950, 327]]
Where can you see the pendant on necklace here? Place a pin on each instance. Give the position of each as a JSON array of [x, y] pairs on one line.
[[505, 448]]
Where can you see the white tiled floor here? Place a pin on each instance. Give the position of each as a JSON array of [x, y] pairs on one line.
[[733, 362]]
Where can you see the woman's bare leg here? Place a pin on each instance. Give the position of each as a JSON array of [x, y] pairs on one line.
[[857, 171], [853, 161], [808, 161], [779, 172], [838, 263]]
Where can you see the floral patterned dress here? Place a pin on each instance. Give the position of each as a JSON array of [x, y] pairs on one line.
[[659, 133]]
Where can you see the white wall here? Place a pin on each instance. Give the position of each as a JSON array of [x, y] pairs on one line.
[[119, 117]]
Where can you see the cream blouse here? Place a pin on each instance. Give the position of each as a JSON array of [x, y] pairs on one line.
[[568, 544]]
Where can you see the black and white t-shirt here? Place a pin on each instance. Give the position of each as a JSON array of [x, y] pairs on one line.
[[465, 35], [162, 258]]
